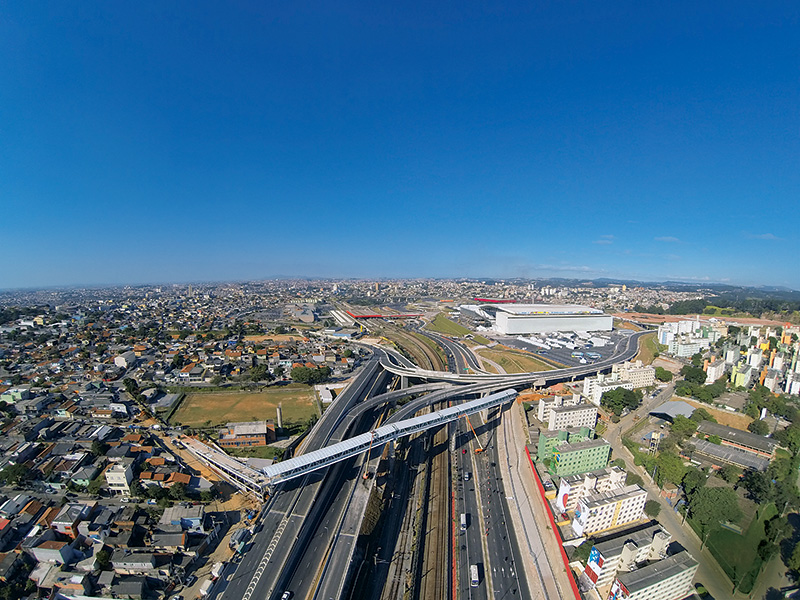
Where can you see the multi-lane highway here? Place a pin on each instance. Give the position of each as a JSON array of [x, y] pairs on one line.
[[307, 528]]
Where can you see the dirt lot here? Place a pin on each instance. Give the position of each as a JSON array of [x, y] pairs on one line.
[[724, 417], [218, 408]]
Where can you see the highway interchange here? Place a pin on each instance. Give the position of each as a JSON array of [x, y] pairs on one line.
[[306, 540]]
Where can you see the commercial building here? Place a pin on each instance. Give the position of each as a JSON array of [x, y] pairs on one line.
[[254, 433], [582, 457], [623, 552], [573, 488], [668, 579], [743, 440], [607, 510], [516, 319]]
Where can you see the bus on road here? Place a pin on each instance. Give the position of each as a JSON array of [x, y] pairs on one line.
[[473, 576], [463, 521]]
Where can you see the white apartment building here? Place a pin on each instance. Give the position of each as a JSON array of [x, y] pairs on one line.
[[640, 375], [583, 415], [714, 371], [573, 488], [548, 404], [595, 387], [607, 510], [668, 579], [119, 477], [623, 552]]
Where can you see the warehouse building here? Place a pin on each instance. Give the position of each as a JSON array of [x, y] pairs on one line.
[[516, 319]]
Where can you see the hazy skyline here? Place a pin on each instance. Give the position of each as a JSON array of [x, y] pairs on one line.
[[201, 142]]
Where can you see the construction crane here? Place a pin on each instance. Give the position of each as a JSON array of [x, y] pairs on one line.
[[480, 447]]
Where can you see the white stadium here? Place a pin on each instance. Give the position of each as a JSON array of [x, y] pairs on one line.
[[515, 319]]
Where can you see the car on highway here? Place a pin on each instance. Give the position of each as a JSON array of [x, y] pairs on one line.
[[286, 595]]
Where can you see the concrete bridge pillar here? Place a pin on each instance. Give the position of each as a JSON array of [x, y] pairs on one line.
[[403, 382]]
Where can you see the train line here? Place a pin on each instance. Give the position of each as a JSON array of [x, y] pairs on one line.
[[436, 566]]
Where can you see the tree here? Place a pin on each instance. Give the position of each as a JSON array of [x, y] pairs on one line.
[[693, 480], [697, 359], [758, 486], [131, 387], [95, 485], [15, 474], [634, 479], [662, 374], [259, 373], [309, 375], [701, 414], [177, 491], [652, 508], [619, 399], [683, 427], [711, 506], [103, 560], [670, 467], [715, 439], [694, 374], [777, 529], [794, 561], [98, 448], [758, 427], [730, 473]]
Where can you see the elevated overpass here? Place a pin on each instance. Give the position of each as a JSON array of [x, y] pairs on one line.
[[296, 467], [538, 378]]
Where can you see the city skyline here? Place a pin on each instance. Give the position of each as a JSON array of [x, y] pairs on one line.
[[156, 144]]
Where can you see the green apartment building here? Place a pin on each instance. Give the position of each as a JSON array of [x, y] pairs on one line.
[[549, 440], [572, 454]]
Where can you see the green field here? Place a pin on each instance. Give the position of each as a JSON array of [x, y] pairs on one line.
[[218, 408], [514, 362], [442, 324], [736, 553], [648, 347]]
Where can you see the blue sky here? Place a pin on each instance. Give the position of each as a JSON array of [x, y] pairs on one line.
[[165, 141]]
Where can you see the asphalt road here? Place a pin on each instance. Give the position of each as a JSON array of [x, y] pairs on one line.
[[261, 571], [709, 573], [507, 581], [469, 544]]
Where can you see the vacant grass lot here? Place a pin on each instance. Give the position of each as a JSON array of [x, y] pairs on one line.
[[647, 348], [218, 408], [442, 324], [514, 362], [736, 553]]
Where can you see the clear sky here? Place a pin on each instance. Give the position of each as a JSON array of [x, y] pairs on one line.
[[165, 141]]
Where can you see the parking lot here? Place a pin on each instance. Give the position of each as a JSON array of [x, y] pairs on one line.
[[558, 345]]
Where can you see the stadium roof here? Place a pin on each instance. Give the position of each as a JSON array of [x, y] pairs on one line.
[[547, 309]]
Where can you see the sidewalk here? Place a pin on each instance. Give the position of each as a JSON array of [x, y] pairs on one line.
[[537, 540]]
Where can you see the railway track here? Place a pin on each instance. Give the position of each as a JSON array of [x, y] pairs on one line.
[[436, 564]]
